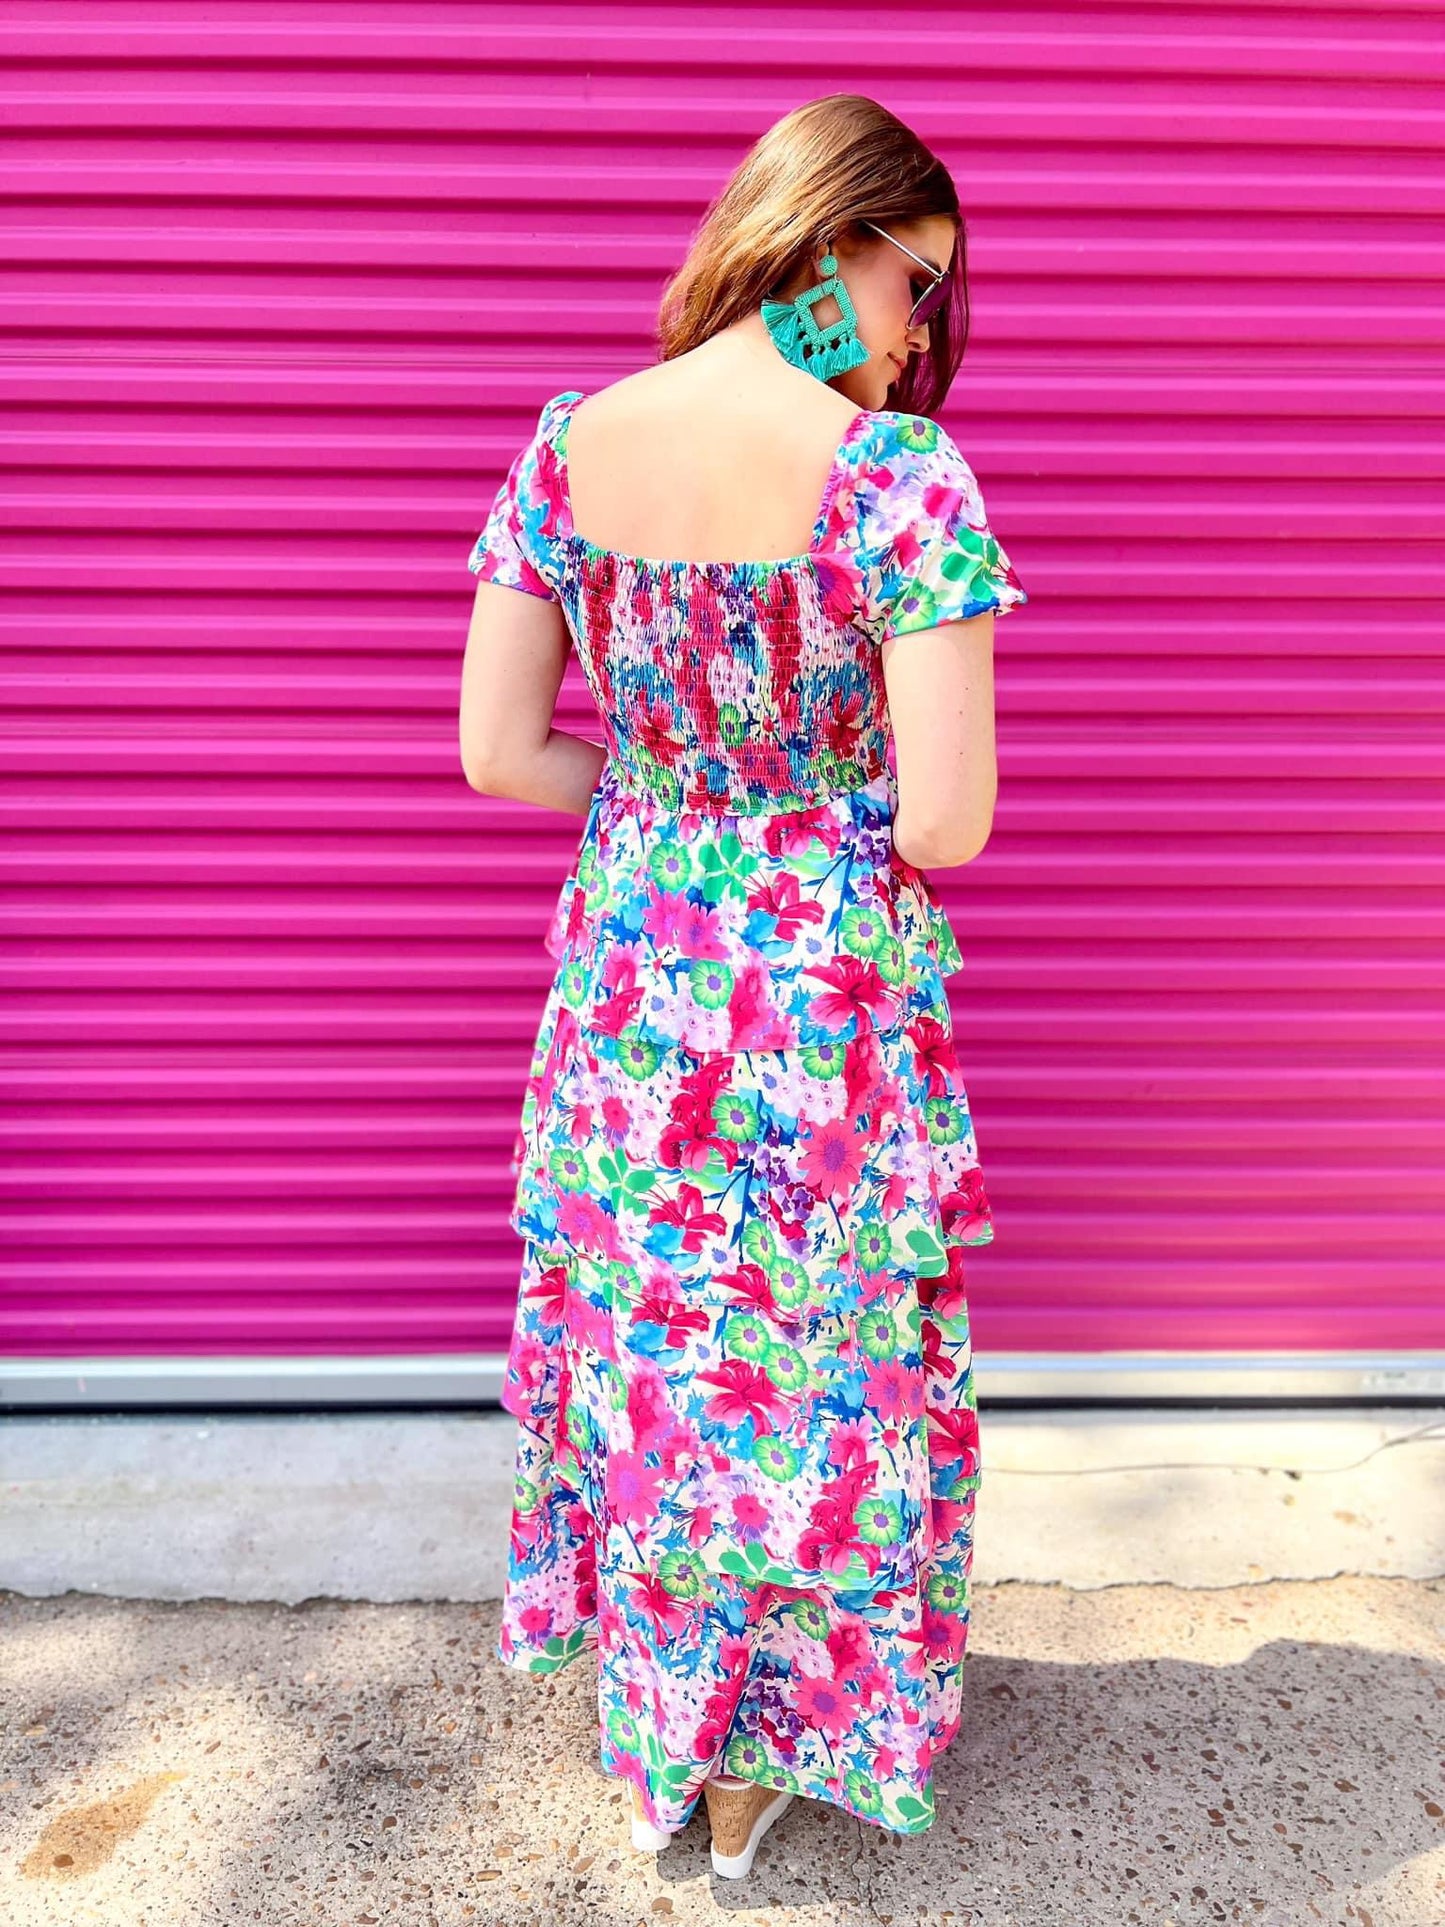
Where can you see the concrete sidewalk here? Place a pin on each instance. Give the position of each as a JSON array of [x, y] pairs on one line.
[[1205, 1682]]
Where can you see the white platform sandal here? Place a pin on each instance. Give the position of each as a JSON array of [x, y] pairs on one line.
[[647, 1838], [740, 1813]]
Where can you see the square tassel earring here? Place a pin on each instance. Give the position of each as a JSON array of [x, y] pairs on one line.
[[824, 352]]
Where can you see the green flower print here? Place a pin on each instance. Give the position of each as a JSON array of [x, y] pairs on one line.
[[786, 1366], [624, 1732], [670, 864], [711, 984], [573, 983], [635, 1055], [824, 1059], [682, 1573], [745, 1759], [879, 1522], [862, 1790], [525, 1495], [945, 1121], [918, 432], [746, 1336], [791, 1286], [873, 1247], [735, 1117], [878, 1333], [776, 1458], [948, 1593], [915, 607], [569, 1168], [760, 1242], [811, 1619], [865, 930]]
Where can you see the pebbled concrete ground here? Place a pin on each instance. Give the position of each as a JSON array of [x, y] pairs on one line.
[[1267, 1753], [246, 1674]]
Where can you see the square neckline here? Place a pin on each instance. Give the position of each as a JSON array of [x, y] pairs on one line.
[[570, 533]]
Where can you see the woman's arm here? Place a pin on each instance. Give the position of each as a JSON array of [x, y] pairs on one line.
[[941, 707], [516, 655]]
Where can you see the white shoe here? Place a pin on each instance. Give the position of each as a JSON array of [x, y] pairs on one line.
[[740, 1813], [646, 1837]]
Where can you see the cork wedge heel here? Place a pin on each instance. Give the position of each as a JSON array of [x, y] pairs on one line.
[[740, 1813]]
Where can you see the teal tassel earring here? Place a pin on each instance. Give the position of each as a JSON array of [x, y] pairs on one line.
[[824, 352]]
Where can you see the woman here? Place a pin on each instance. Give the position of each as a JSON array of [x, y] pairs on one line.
[[746, 1171]]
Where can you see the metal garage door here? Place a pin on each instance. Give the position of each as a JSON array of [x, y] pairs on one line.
[[287, 286]]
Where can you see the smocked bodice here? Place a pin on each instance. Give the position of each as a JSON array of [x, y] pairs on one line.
[[742, 687], [725, 690]]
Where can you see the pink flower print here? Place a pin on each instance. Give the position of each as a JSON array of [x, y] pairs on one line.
[[945, 1294], [895, 1194], [733, 1653], [548, 1292], [830, 1546], [793, 832], [700, 1525], [756, 1022], [617, 1013], [616, 1118], [782, 899], [648, 1411], [848, 1444], [848, 719], [950, 1516], [751, 1517], [823, 1703], [943, 500], [833, 1161], [699, 1088], [620, 963], [954, 1435], [668, 1614], [687, 1212], [933, 1053], [584, 1596], [688, 1143], [965, 1209], [536, 1622], [662, 1306], [666, 917], [938, 1360], [744, 1392], [750, 1282], [945, 1635], [581, 1221], [702, 934], [895, 1390], [592, 1326], [847, 1649], [633, 1488], [655, 725], [856, 993], [841, 583]]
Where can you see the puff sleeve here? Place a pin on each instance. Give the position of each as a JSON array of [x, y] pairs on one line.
[[515, 548], [926, 551]]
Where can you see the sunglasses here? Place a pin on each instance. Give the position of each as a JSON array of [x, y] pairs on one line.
[[939, 281]]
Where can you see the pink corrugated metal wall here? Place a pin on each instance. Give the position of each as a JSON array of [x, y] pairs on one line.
[[287, 285]]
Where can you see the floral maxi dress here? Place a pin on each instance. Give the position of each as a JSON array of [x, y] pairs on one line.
[[746, 1174]]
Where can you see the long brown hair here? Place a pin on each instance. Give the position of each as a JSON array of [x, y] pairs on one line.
[[815, 173]]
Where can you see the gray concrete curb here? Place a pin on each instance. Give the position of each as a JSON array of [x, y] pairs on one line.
[[415, 1506]]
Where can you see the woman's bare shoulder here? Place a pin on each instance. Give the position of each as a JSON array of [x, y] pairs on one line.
[[685, 388]]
